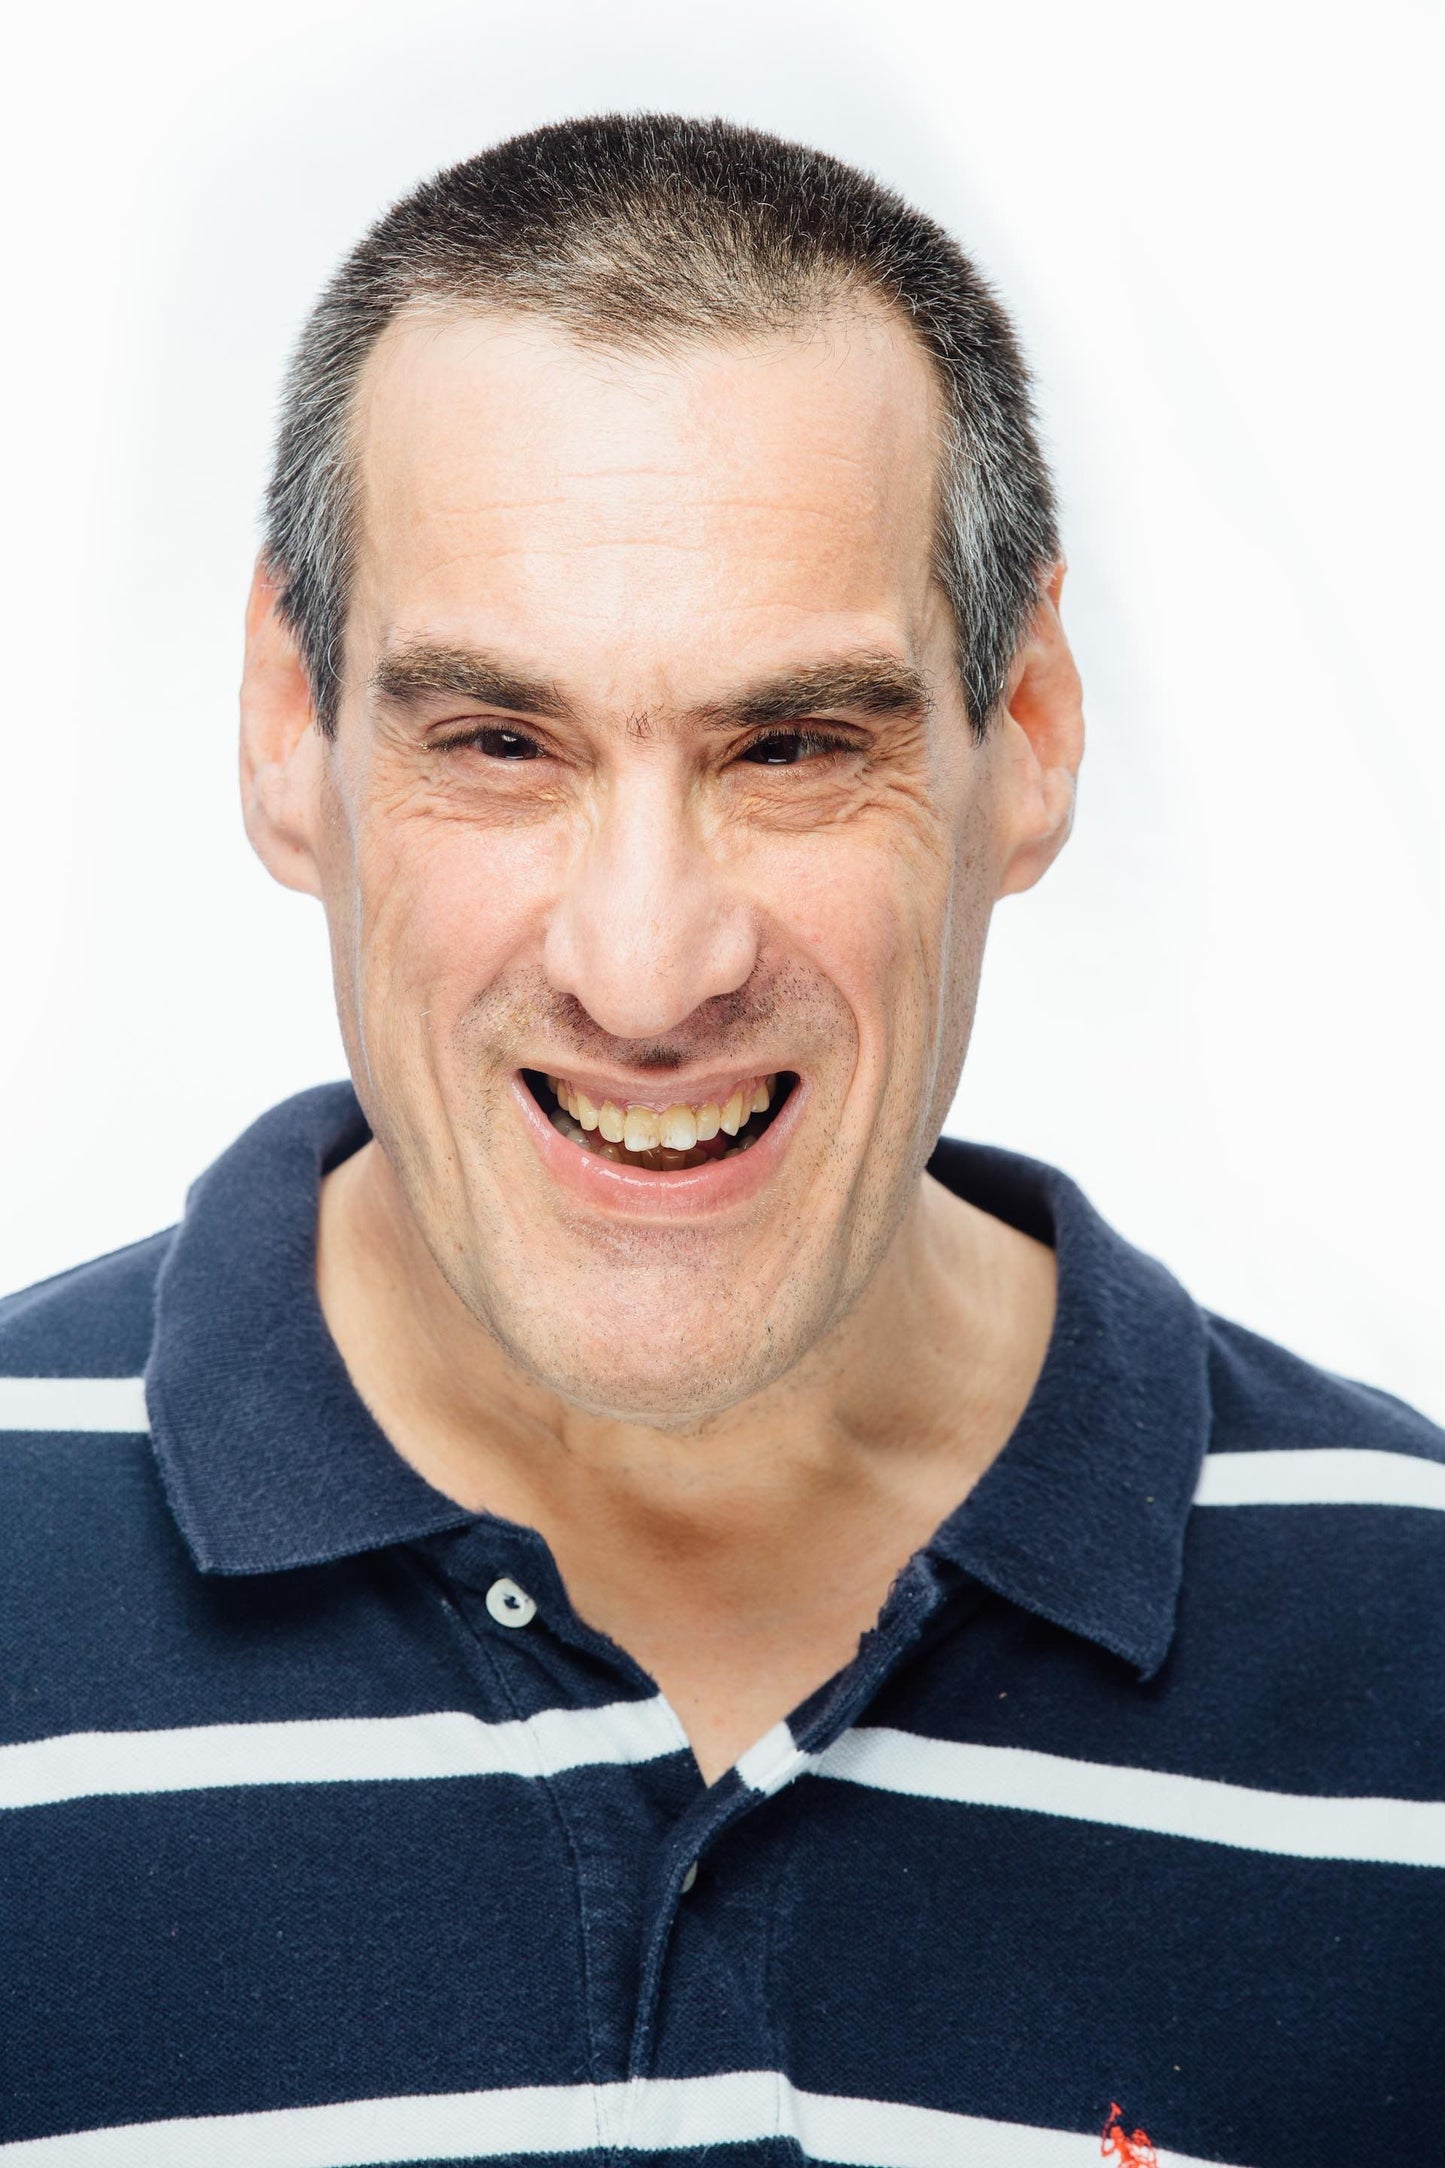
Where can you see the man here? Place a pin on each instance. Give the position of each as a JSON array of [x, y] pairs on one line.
[[647, 1609]]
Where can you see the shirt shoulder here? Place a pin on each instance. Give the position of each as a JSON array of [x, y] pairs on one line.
[[1266, 1399], [94, 1321], [91, 1564], [77, 1474], [1310, 1634]]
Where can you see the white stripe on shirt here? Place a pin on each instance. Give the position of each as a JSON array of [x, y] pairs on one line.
[[450, 1743], [648, 2115], [334, 1750], [74, 1404], [1338, 1475], [1392, 1832]]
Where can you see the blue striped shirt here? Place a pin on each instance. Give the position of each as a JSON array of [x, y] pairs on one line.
[[331, 1834]]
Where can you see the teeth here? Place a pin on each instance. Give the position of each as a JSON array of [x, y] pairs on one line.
[[666, 1140], [678, 1129], [641, 1129]]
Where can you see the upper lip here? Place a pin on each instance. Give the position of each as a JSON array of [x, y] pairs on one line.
[[713, 1088]]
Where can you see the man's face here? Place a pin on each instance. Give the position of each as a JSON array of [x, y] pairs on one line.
[[652, 776]]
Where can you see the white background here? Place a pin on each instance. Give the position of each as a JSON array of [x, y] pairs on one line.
[[1218, 230]]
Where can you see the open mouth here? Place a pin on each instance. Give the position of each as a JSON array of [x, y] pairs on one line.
[[665, 1139]]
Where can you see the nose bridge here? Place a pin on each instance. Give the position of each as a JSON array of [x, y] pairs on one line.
[[642, 855], [648, 925]]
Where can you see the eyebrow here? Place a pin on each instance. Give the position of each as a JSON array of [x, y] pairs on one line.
[[405, 676], [868, 683]]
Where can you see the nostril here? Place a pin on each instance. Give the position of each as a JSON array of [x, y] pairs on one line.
[[639, 964]]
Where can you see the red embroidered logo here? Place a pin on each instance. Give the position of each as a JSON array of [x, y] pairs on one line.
[[1130, 2150]]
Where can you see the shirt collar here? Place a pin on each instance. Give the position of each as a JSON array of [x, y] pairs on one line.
[[271, 1460], [269, 1455], [1081, 1517]]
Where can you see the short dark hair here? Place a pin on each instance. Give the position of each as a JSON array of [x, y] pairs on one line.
[[651, 230]]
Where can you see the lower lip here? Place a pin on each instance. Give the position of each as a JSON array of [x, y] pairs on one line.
[[647, 1192]]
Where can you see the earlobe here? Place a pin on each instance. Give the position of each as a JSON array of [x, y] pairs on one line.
[[280, 745], [1043, 731]]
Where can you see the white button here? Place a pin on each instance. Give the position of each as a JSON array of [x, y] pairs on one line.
[[689, 1878], [510, 1605]]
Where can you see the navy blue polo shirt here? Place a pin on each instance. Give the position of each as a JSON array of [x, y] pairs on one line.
[[331, 1834]]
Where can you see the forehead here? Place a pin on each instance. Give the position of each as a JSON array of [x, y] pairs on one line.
[[628, 513]]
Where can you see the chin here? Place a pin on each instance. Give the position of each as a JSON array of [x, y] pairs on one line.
[[678, 1381]]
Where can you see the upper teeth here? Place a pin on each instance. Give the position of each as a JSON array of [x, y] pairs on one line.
[[676, 1128]]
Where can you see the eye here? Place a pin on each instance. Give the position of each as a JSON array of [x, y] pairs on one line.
[[785, 748], [500, 744]]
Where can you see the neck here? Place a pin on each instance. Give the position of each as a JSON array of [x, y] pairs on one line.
[[943, 1346], [737, 1561]]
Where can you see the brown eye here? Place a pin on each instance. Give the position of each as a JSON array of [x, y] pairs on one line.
[[506, 745], [785, 748]]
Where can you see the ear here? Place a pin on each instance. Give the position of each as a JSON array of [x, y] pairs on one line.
[[282, 750], [1042, 733]]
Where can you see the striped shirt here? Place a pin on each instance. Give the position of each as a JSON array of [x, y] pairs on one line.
[[331, 1834]]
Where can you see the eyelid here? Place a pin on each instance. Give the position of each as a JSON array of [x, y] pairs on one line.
[[819, 736], [832, 737], [450, 736]]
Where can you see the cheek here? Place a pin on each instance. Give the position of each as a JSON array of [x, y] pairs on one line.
[[443, 908], [871, 916]]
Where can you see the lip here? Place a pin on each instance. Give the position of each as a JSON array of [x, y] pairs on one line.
[[645, 1193]]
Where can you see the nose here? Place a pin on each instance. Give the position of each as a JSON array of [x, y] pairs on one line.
[[648, 925]]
